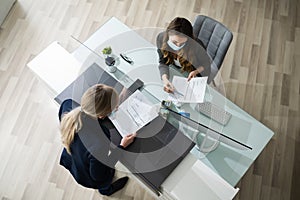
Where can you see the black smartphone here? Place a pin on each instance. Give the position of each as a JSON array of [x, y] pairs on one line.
[[132, 88], [138, 84]]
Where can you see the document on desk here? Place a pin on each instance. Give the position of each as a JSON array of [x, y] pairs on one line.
[[192, 91], [134, 113]]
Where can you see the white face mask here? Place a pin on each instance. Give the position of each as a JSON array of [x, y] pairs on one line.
[[174, 46]]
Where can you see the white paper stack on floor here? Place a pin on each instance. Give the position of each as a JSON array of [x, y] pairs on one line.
[[56, 67]]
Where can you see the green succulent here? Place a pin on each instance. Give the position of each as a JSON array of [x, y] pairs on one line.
[[107, 50]]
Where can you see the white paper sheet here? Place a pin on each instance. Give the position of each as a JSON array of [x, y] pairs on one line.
[[192, 91], [134, 113]]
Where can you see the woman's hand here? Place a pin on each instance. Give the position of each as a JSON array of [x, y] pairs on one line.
[[127, 140], [195, 72], [168, 86]]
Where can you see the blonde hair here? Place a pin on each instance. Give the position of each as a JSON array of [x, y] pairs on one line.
[[99, 100]]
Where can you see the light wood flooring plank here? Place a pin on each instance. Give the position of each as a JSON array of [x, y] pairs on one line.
[[260, 73]]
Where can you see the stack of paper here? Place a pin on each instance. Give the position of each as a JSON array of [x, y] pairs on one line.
[[56, 67], [134, 113], [192, 91]]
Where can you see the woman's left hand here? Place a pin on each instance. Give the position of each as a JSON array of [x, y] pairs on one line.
[[128, 139], [192, 74], [195, 72]]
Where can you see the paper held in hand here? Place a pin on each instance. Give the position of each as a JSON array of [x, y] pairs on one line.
[[192, 91], [134, 113]]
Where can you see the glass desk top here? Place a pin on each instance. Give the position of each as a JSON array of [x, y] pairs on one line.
[[229, 162]]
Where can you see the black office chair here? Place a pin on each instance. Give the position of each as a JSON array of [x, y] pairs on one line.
[[216, 39]]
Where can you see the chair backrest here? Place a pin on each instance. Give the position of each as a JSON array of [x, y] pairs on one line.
[[216, 39]]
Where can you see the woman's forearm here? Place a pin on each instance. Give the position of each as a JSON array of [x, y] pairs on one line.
[[200, 69], [165, 77]]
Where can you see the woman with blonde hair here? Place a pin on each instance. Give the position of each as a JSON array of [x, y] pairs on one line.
[[88, 153], [177, 46]]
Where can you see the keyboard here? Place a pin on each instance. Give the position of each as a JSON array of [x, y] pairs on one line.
[[214, 112]]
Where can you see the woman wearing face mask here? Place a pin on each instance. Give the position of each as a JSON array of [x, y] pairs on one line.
[[178, 46], [87, 141]]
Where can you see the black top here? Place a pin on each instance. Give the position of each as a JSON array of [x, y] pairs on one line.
[[90, 162], [200, 57]]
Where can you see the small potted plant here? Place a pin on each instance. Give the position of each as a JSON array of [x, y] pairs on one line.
[[107, 51], [109, 59]]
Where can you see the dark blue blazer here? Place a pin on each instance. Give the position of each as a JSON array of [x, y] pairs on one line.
[[93, 156]]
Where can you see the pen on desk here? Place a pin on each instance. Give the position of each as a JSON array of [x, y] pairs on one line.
[[175, 91]]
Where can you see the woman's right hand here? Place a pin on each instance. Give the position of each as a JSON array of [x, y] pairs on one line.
[[127, 140], [168, 86]]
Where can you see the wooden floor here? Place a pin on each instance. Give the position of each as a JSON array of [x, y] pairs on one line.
[[261, 73]]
